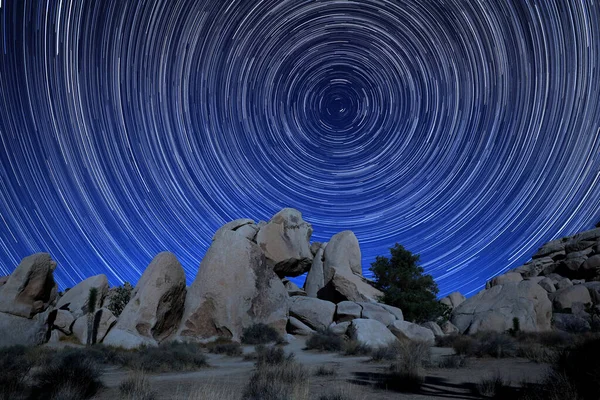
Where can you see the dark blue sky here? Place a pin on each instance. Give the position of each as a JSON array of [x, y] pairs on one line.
[[467, 131]]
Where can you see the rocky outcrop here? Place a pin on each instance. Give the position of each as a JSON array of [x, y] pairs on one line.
[[434, 327], [564, 298], [410, 331], [315, 313], [156, 305], [453, 300], [449, 328], [102, 322], [15, 330], [343, 273], [243, 226], [315, 279], [297, 327], [495, 308], [370, 332], [30, 289], [571, 323], [234, 289], [285, 241], [76, 299], [506, 278], [375, 311]]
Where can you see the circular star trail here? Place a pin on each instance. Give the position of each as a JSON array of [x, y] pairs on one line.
[[468, 131]]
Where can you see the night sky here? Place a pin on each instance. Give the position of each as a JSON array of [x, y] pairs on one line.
[[468, 131]]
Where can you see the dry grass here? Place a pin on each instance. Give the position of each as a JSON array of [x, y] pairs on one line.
[[225, 346], [260, 334], [325, 341], [355, 348], [137, 387], [406, 374], [386, 353], [213, 391], [324, 370], [286, 381]]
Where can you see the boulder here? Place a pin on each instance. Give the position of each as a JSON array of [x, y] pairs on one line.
[[593, 235], [549, 248], [15, 330], [3, 280], [315, 279], [548, 285], [103, 321], [30, 289], [234, 289], [448, 328], [506, 278], [340, 328], [495, 308], [396, 312], [564, 298], [154, 311], [594, 289], [317, 314], [297, 327], [292, 288], [375, 311], [571, 323], [536, 267], [434, 327], [342, 272], [564, 283], [371, 333], [63, 320], [348, 311], [285, 241], [76, 299], [591, 267], [578, 281], [574, 246], [408, 330], [238, 226], [453, 300]]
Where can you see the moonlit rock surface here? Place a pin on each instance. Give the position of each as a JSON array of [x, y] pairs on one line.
[[76, 299], [408, 330], [370, 332], [317, 314]]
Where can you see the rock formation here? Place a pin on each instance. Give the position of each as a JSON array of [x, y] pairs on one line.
[[76, 299]]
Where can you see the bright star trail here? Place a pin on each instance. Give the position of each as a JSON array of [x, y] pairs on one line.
[[468, 131]]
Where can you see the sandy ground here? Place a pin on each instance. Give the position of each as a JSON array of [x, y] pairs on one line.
[[356, 375]]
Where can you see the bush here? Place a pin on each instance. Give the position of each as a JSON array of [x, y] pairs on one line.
[[323, 370], [271, 356], [14, 368], [119, 297], [260, 334], [407, 374], [452, 361], [581, 366], [231, 349], [287, 381], [137, 387], [355, 348], [325, 341], [495, 344], [404, 285], [166, 358], [537, 353], [465, 345], [388, 353], [493, 387], [68, 376]]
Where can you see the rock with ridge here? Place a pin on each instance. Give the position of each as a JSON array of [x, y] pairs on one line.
[[76, 299], [370, 332], [348, 311], [63, 321], [549, 248], [564, 283], [434, 327], [536, 267], [506, 278], [285, 241], [591, 266], [235, 288], [315, 280], [494, 309], [30, 289], [574, 246], [342, 272], [453, 300], [297, 327], [315, 313], [16, 330], [564, 298], [375, 311], [408, 330], [156, 305]]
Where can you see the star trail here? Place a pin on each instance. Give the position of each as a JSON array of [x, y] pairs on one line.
[[468, 131]]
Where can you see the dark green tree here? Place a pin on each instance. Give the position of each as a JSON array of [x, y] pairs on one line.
[[404, 285]]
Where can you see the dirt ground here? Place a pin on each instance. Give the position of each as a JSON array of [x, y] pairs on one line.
[[355, 375]]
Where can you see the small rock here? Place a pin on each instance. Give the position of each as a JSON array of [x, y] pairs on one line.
[[371, 332], [548, 285], [564, 298], [564, 283], [348, 311], [408, 330]]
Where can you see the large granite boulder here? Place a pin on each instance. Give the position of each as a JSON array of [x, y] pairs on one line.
[[543, 265], [550, 248], [102, 322], [315, 313], [348, 311], [494, 309], [76, 299], [342, 272], [410, 331], [15, 330], [297, 327], [594, 289], [315, 279], [453, 300], [62, 320], [154, 311], [285, 241], [245, 227], [570, 323], [3, 280], [506, 278], [370, 332], [30, 288], [564, 298], [548, 285], [434, 327], [234, 289], [591, 267], [377, 312]]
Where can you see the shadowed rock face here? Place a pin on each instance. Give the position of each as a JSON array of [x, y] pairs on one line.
[[156, 305], [285, 241], [30, 289], [234, 289]]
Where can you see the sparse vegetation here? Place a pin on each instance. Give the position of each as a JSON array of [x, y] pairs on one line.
[[406, 374], [355, 348], [260, 334], [227, 347], [119, 298], [166, 358], [493, 387], [387, 353], [285, 380], [404, 285], [271, 356], [14, 368], [325, 340], [516, 328], [137, 387], [324, 370], [452, 361]]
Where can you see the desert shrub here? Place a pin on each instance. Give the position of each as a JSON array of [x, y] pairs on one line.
[[493, 387], [465, 345], [260, 334], [231, 349], [287, 381], [271, 356], [537, 353], [14, 368], [387, 353], [555, 387], [495, 344], [213, 391], [452, 361], [355, 348], [447, 340], [137, 387], [324, 370], [406, 374], [338, 394], [166, 357], [581, 367], [404, 285], [325, 340], [68, 376], [119, 297]]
